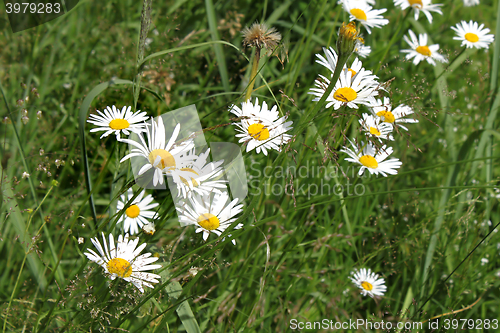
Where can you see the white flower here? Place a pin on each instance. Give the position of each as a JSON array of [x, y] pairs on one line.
[[373, 126], [115, 121], [330, 62], [420, 5], [473, 35], [394, 117], [484, 261], [263, 129], [210, 213], [373, 160], [124, 261], [202, 177], [371, 2], [468, 3], [165, 158], [137, 213], [368, 282], [80, 240], [149, 228], [365, 14], [25, 175], [362, 50], [348, 90], [420, 51]]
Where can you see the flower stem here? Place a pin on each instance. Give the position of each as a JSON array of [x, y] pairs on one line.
[[253, 74]]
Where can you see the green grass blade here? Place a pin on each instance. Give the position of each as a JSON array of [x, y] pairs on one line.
[[187, 47], [219, 52], [16, 220]]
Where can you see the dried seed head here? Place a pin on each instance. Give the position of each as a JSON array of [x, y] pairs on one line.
[[260, 36]]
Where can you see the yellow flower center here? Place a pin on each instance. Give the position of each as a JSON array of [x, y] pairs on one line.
[[133, 211], [195, 183], [258, 132], [358, 14], [208, 221], [120, 267], [118, 124], [353, 72], [471, 37], [424, 50], [167, 160], [345, 94], [416, 3], [387, 116], [374, 131], [368, 161], [366, 285]]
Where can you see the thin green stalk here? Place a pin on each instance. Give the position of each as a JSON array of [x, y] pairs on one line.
[[143, 34], [14, 291], [253, 74]]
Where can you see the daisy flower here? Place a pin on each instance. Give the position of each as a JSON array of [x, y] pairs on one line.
[[473, 35], [373, 126], [262, 129], [330, 62], [348, 90], [371, 2], [365, 14], [201, 177], [368, 282], [469, 3], [210, 213], [115, 121], [164, 158], [373, 160], [124, 261], [395, 117], [362, 50], [420, 51], [138, 212], [424, 6]]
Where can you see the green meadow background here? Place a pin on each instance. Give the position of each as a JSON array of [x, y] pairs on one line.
[[430, 231]]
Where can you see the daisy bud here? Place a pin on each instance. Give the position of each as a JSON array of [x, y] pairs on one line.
[[348, 38]]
